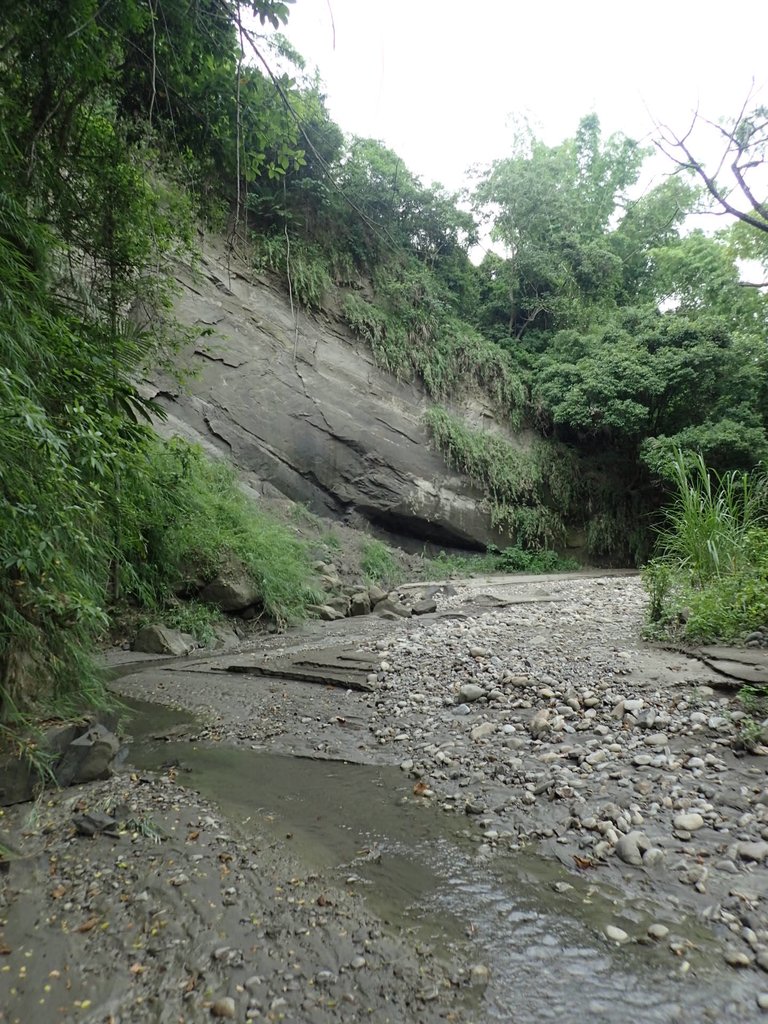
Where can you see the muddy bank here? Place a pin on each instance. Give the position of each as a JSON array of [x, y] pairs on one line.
[[550, 822], [532, 715], [183, 916]]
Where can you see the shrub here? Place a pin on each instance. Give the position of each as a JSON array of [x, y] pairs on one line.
[[185, 516]]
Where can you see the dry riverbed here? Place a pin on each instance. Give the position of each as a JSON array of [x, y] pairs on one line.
[[527, 713]]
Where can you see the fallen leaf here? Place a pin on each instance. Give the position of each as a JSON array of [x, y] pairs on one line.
[[5, 950], [420, 789], [583, 862], [137, 969], [59, 891], [193, 836], [86, 926]]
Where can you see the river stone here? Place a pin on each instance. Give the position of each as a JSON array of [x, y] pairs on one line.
[[762, 1000], [226, 638], [327, 612], [340, 603], [224, 1008], [653, 857], [656, 739], [391, 607], [18, 780], [658, 931], [689, 822], [88, 757], [469, 692], [615, 934], [630, 848], [360, 604], [752, 851], [480, 732], [158, 639], [539, 724], [231, 591], [737, 958]]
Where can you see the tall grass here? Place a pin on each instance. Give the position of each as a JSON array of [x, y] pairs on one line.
[[184, 517], [711, 517], [709, 580], [379, 564]]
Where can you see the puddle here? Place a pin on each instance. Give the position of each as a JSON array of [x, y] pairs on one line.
[[545, 949]]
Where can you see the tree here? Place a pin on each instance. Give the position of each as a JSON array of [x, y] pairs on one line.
[[735, 177], [553, 209]]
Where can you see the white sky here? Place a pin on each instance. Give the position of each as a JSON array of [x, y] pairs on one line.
[[437, 80]]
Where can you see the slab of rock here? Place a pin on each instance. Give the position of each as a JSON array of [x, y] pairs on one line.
[[343, 435], [159, 639], [424, 607], [93, 822]]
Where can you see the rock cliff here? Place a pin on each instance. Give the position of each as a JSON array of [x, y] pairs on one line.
[[298, 404]]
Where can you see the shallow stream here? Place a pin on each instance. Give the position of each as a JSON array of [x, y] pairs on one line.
[[537, 927]]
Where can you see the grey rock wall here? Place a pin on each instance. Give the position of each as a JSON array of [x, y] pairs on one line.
[[308, 412]]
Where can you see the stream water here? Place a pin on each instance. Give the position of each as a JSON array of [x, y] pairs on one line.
[[536, 926]]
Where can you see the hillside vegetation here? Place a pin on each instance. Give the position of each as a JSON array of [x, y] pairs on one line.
[[622, 340]]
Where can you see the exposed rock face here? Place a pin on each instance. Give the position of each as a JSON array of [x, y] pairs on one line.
[[310, 413]]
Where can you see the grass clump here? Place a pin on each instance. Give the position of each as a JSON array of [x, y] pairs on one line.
[[185, 519], [709, 580], [508, 560], [303, 265], [413, 332], [528, 491], [378, 563]]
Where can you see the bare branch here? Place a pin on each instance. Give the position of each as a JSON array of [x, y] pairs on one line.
[[745, 144]]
